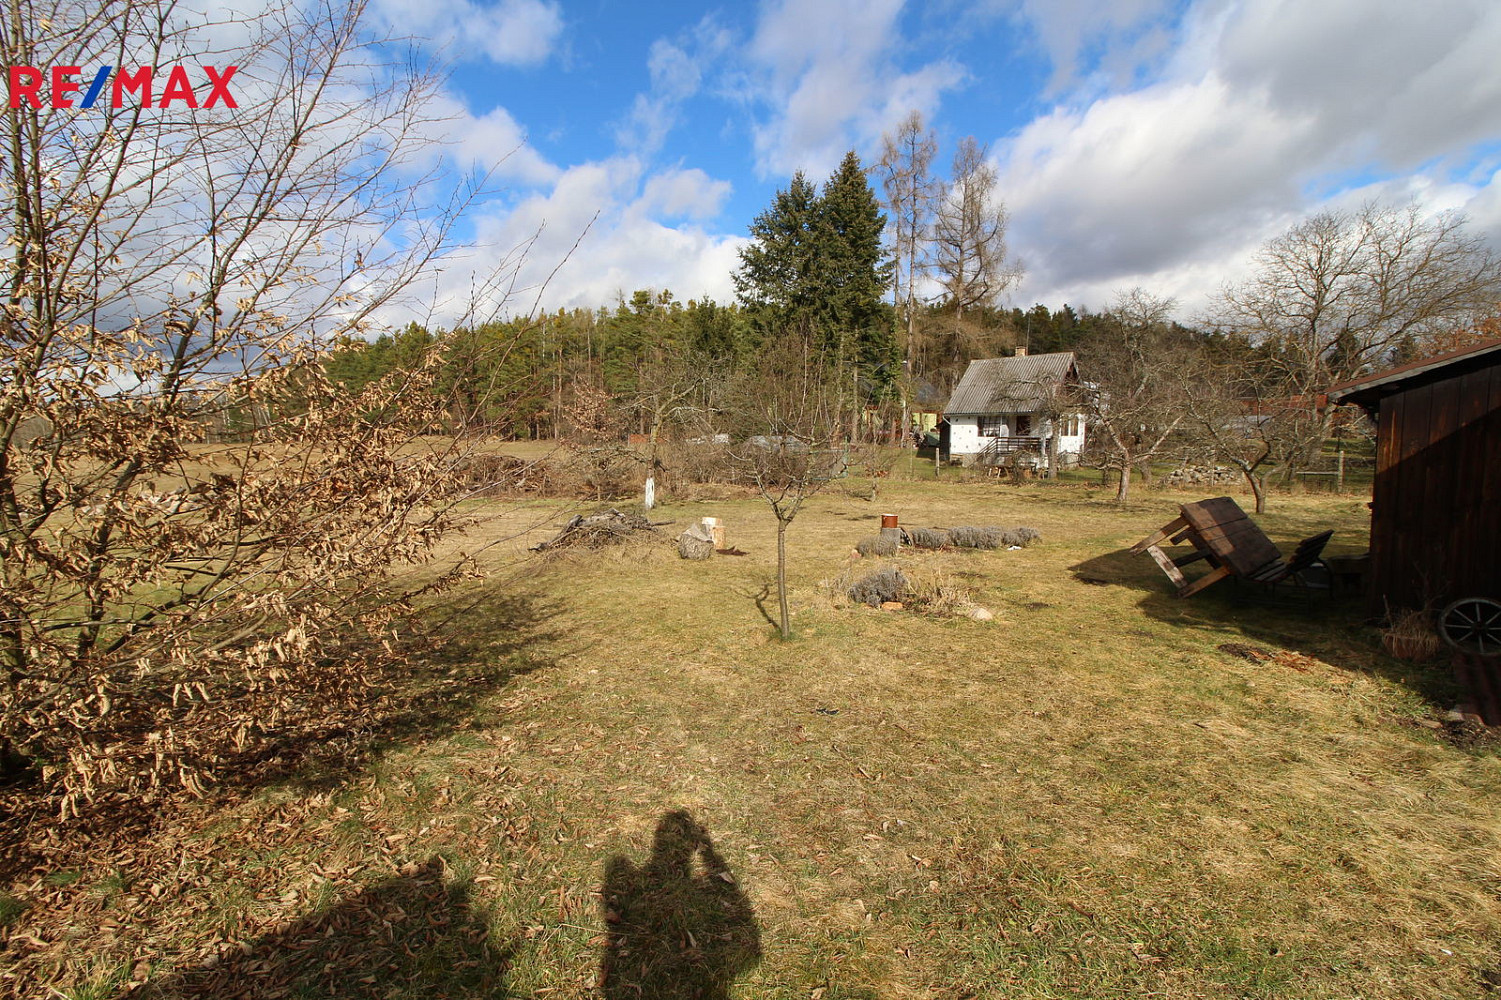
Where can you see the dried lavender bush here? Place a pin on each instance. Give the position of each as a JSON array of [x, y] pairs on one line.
[[972, 537], [1020, 537], [885, 584], [926, 538]]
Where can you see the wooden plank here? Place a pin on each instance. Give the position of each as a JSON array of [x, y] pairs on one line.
[[1209, 513], [1270, 573], [1204, 581], [1484, 533], [1411, 587], [1158, 535], [1383, 502], [1245, 550], [1161, 558], [1439, 463], [1469, 523]]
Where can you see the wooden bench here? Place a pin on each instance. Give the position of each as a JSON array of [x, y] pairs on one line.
[[1231, 543]]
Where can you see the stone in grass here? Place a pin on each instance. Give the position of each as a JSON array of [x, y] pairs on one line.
[[876, 545], [696, 543], [925, 538], [885, 584], [980, 614], [891, 605]]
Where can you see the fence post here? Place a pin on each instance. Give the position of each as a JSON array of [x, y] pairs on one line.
[[1339, 475]]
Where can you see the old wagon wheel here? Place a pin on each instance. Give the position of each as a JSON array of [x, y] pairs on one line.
[[1472, 625]]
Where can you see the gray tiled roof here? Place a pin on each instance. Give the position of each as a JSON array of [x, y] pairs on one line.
[[1009, 385]]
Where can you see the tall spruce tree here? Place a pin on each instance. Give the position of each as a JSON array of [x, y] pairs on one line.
[[775, 281], [816, 267], [852, 273]]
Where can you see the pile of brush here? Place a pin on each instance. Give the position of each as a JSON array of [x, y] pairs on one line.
[[603, 527]]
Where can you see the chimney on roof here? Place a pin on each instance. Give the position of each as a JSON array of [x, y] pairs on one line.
[[1021, 352]]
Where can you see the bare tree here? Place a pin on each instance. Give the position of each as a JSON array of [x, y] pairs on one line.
[[969, 234], [671, 390], [906, 177], [1230, 408], [791, 402], [173, 276], [1131, 392], [1336, 294]]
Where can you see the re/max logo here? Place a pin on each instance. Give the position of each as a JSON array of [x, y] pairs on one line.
[[27, 82]]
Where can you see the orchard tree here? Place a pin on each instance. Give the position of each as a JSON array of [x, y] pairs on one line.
[[1131, 393], [1233, 403], [790, 403]]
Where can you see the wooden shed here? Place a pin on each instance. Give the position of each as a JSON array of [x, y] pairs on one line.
[[1436, 506]]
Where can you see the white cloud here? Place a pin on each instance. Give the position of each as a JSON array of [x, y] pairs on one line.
[[1265, 112], [1141, 180], [511, 32], [1395, 80], [677, 72], [495, 142], [828, 70], [610, 210], [690, 194], [1124, 35]]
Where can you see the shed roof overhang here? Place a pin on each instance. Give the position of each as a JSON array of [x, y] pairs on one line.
[[1368, 391]]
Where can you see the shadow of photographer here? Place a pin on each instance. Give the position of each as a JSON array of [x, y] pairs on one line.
[[677, 927], [416, 934]]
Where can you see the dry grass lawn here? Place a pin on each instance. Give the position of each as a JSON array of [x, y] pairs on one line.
[[1084, 797]]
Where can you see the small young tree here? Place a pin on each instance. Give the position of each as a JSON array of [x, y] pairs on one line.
[[787, 398]]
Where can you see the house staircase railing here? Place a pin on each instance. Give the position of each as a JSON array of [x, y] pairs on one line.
[[997, 451]]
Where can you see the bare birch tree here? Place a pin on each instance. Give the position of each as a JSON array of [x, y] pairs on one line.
[[906, 177]]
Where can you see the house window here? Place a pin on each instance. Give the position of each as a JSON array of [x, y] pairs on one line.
[[994, 426], [1023, 424]]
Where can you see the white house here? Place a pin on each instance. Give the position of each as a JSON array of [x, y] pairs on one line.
[[1017, 404]]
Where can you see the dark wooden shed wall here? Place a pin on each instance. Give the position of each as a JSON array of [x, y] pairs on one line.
[[1436, 506]]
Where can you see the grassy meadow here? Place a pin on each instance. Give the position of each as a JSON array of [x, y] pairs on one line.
[[645, 793]]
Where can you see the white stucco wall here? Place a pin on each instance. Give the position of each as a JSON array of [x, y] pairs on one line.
[[965, 437]]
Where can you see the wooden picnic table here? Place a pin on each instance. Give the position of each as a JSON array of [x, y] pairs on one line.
[[1231, 543]]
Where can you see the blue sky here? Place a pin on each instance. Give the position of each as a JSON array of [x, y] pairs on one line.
[[1151, 143]]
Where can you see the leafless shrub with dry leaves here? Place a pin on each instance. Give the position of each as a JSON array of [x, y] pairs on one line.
[[165, 603]]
